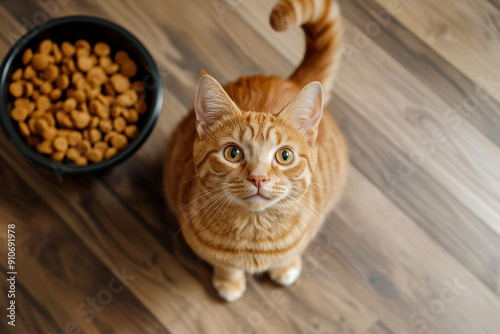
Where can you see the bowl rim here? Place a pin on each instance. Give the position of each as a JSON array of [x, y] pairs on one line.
[[21, 146]]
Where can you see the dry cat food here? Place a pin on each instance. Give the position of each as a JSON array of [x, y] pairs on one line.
[[75, 103]]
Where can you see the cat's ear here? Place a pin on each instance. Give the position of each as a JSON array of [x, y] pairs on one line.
[[305, 110], [211, 103]]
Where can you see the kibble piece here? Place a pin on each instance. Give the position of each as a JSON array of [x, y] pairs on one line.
[[108, 89], [19, 114], [119, 141], [69, 104], [121, 57], [110, 152], [79, 95], [95, 135], [31, 106], [101, 145], [37, 82], [40, 61], [24, 129], [40, 125], [74, 137], [33, 140], [94, 122], [141, 107], [73, 154], [84, 63], [119, 82], [131, 131], [113, 68], [44, 147], [62, 81], [42, 102], [17, 75], [68, 49], [127, 99], [82, 161], [82, 52], [105, 125], [45, 46], [51, 72], [84, 146], [28, 89], [95, 155], [117, 110], [102, 49], [50, 118], [16, 88], [60, 143], [129, 68], [56, 51], [102, 111], [119, 124], [27, 55], [81, 43], [80, 119], [31, 124], [105, 61], [37, 113], [49, 133], [55, 94], [58, 156], [70, 63], [109, 135], [21, 102], [132, 116], [46, 88], [96, 76], [66, 122], [29, 72]]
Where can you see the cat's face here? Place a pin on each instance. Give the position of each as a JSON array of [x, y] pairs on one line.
[[255, 159]]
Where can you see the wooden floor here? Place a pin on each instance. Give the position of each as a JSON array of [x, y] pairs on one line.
[[414, 247]]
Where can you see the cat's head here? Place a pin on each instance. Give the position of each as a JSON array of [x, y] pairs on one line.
[[255, 159]]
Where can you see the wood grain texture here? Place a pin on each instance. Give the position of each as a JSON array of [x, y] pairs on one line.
[[405, 229]]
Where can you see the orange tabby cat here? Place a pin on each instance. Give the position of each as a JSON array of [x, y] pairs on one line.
[[252, 171]]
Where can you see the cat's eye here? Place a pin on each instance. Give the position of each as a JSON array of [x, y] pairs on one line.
[[233, 153], [284, 156]]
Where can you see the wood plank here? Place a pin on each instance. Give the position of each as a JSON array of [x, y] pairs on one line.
[[66, 272], [402, 268], [379, 328], [428, 204], [463, 32], [424, 64]]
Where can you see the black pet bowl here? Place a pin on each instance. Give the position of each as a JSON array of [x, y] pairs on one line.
[[92, 29]]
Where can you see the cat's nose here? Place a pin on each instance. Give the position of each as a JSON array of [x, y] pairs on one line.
[[258, 180]]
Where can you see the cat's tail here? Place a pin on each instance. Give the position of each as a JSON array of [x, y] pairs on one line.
[[322, 24]]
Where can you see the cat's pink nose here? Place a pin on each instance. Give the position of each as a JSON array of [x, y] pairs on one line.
[[257, 180]]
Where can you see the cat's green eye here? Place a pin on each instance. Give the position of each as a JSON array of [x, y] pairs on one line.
[[233, 153], [284, 156]]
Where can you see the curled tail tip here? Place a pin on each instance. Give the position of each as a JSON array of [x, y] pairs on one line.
[[283, 16]]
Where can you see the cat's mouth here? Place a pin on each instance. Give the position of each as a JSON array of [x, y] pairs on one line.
[[256, 197]]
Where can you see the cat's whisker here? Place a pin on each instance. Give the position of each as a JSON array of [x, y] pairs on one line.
[[210, 200], [220, 206], [202, 194], [221, 197], [319, 185]]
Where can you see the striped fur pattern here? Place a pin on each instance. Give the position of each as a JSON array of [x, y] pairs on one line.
[[257, 214]]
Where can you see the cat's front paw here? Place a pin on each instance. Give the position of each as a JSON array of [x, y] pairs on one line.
[[287, 274], [230, 287]]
